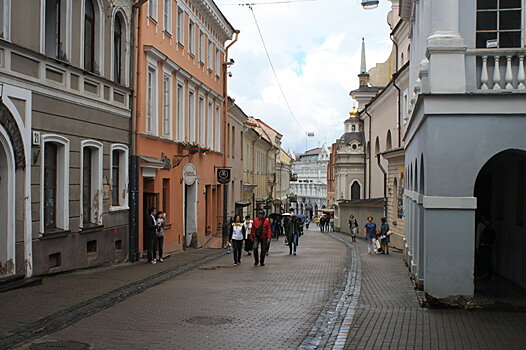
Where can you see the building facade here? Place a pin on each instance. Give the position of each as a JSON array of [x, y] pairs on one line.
[[310, 188], [464, 144], [180, 124], [236, 130], [64, 134]]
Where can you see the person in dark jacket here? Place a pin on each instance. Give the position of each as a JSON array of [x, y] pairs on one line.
[[236, 236], [293, 232], [385, 239], [150, 232], [260, 234]]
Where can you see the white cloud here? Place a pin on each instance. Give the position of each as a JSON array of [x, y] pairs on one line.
[[315, 49]]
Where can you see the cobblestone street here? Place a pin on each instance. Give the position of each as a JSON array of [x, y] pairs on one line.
[[328, 297]]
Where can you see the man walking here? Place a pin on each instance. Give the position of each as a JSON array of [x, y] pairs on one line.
[[150, 232], [260, 234]]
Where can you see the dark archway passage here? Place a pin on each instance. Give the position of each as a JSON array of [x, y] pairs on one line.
[[500, 232]]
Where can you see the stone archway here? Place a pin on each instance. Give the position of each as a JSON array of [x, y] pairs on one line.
[[500, 189], [7, 207]]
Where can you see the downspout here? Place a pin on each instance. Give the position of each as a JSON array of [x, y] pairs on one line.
[[370, 158], [395, 75]]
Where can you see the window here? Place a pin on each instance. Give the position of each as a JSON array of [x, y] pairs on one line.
[[50, 185], [166, 197], [91, 183], [500, 20], [180, 111], [201, 49], [151, 115], [118, 49], [180, 26], [355, 190], [89, 36], [191, 37], [167, 105], [400, 198], [167, 16], [54, 180], [210, 126], [152, 9], [353, 128], [119, 177], [191, 116], [218, 130], [210, 55], [241, 140], [5, 14], [233, 145], [201, 121], [218, 63], [54, 44]]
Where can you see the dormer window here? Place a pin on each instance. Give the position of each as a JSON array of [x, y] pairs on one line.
[[353, 128]]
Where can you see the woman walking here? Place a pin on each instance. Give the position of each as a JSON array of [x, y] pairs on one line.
[[369, 233], [385, 238], [248, 241], [353, 227], [237, 234], [292, 230], [159, 236]]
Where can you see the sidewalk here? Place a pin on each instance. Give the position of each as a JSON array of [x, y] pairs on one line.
[[28, 310], [388, 315]]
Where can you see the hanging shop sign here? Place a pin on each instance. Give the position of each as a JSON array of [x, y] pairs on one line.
[[189, 174], [223, 175]]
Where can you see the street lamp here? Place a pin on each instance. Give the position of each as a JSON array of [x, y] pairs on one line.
[[370, 4]]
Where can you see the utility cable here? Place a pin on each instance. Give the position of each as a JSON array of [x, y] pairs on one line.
[[274, 71]]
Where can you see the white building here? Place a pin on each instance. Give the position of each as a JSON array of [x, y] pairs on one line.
[[311, 185]]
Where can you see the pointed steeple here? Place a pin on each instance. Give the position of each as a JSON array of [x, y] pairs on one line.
[[363, 76]]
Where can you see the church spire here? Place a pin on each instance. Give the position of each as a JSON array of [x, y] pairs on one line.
[[363, 76]]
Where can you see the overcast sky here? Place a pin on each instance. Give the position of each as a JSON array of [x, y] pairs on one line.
[[315, 49]]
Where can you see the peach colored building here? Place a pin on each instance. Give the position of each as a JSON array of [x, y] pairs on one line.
[[180, 117]]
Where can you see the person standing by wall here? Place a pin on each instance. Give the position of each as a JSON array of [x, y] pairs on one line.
[[248, 229], [150, 231], [353, 227], [369, 233], [261, 234], [384, 237], [236, 236], [159, 236]]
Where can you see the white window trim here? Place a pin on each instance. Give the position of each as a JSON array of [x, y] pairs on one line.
[[217, 136], [210, 54], [181, 122], [62, 216], [168, 75], [123, 176], [7, 20], [192, 132], [191, 37], [167, 25], [67, 32], [210, 124], [218, 62], [126, 53], [201, 120], [96, 181], [153, 7], [201, 48], [5, 141], [180, 26], [99, 36], [152, 64]]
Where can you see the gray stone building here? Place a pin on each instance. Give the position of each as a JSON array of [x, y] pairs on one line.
[[465, 149], [64, 134]]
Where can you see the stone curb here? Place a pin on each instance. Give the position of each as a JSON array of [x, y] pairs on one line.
[[78, 312]]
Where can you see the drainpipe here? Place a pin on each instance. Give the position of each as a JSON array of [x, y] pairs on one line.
[[395, 75], [133, 186], [370, 152]]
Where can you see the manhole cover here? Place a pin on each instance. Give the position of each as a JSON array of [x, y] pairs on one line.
[[215, 267], [208, 321], [60, 345]]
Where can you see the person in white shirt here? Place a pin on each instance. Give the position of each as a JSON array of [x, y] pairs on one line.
[[237, 235], [248, 242]]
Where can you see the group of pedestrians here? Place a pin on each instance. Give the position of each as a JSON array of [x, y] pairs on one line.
[[257, 235], [326, 223], [154, 235], [377, 238]]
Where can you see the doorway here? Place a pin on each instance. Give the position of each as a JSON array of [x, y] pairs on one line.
[[7, 206], [190, 214], [500, 232]]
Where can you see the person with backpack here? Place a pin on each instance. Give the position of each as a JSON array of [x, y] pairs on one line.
[[261, 235], [236, 236]]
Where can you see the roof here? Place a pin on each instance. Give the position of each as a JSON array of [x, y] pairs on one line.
[[348, 137]]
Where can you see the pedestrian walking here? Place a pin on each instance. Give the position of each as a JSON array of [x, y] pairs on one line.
[[331, 224], [150, 231], [260, 234], [248, 241], [307, 223], [369, 233], [322, 224], [236, 236], [353, 227], [159, 236], [384, 236], [293, 232]]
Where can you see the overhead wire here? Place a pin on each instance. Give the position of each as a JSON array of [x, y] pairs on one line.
[[273, 69]]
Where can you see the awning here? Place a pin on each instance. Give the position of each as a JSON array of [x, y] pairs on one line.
[[150, 162], [243, 203]]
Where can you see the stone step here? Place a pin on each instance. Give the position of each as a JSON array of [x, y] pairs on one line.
[[11, 282]]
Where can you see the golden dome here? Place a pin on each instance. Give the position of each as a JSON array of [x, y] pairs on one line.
[[353, 113]]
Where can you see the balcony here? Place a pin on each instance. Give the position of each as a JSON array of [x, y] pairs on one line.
[[497, 70]]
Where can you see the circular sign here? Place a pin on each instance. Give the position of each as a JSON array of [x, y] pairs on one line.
[[223, 175], [189, 174]]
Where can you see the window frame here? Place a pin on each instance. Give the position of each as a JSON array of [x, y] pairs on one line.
[[180, 111], [201, 48], [180, 26], [191, 115], [5, 24], [95, 216], [191, 37], [217, 137], [123, 153], [210, 55], [210, 125], [167, 108], [167, 16], [201, 123], [151, 100], [497, 30], [218, 62], [153, 9]]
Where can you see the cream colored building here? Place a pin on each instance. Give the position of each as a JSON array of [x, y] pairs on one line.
[[235, 158]]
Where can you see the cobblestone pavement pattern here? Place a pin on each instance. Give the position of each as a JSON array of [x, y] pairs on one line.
[[221, 306], [388, 315]]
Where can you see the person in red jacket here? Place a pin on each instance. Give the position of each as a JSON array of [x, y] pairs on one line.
[[260, 234]]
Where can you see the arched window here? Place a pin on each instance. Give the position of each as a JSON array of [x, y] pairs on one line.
[[355, 190], [118, 49], [353, 128], [377, 146], [388, 143], [89, 36]]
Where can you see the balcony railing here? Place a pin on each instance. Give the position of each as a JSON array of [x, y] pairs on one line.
[[499, 69]]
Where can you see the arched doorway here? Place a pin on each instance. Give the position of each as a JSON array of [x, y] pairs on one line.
[[500, 231], [7, 206]]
